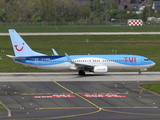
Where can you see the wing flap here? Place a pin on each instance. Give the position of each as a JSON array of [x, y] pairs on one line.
[[79, 66]]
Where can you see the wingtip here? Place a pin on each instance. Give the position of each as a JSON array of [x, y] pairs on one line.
[[11, 30]]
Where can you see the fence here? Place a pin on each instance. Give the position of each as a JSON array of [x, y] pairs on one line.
[[59, 23], [67, 23]]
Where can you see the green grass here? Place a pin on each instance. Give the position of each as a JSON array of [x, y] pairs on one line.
[[82, 28], [145, 45], [2, 107], [154, 87]]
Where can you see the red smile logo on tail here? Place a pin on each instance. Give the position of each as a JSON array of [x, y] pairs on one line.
[[16, 46]]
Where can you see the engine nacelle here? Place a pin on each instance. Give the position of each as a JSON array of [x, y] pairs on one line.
[[143, 69], [100, 69]]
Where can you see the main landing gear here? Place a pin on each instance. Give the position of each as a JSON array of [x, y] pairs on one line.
[[81, 72], [140, 72]]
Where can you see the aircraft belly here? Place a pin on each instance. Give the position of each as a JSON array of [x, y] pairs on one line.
[[117, 66], [62, 66]]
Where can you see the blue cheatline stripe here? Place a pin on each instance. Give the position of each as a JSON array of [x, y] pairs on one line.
[[131, 60]]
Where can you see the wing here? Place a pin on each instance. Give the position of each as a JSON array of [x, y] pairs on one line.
[[79, 66]]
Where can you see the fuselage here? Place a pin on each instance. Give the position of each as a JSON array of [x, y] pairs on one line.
[[93, 63], [113, 62]]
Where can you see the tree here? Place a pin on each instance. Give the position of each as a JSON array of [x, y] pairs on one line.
[[38, 19], [2, 15], [109, 14], [67, 10], [111, 10], [34, 7], [85, 11], [24, 13], [98, 6], [111, 4], [145, 14], [12, 11]]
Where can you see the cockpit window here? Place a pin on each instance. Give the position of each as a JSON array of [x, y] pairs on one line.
[[146, 59]]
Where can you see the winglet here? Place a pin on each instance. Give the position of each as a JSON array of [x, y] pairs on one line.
[[68, 58], [54, 52]]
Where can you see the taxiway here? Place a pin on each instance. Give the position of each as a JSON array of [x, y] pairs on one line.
[[48, 96]]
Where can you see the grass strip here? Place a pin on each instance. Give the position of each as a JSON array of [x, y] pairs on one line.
[[82, 28], [145, 45], [2, 107], [154, 87]]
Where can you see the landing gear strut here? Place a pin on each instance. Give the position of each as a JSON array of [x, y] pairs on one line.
[[81, 72]]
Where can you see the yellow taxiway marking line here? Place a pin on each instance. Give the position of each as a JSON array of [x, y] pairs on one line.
[[72, 115], [129, 107], [130, 112], [66, 93], [67, 116], [76, 94], [69, 108], [92, 107]]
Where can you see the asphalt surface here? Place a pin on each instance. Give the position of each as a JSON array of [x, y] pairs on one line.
[[73, 76], [68, 96]]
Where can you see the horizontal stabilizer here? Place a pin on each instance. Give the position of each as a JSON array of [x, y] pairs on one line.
[[14, 57]]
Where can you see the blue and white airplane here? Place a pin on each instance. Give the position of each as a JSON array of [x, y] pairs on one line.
[[93, 63]]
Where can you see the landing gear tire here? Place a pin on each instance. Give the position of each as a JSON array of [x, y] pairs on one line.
[[140, 72], [81, 72]]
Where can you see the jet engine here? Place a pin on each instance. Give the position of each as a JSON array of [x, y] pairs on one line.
[[100, 69]]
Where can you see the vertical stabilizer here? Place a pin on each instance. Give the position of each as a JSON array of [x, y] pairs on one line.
[[20, 47]]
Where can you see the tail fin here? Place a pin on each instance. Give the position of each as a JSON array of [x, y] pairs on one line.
[[20, 47]]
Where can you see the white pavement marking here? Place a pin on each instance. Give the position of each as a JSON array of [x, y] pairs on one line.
[[73, 76], [86, 33]]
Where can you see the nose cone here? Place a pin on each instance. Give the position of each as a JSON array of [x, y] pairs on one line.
[[152, 63]]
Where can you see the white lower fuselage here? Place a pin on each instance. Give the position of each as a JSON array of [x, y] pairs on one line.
[[88, 62]]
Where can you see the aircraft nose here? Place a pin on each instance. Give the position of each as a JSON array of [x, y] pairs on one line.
[[152, 63]]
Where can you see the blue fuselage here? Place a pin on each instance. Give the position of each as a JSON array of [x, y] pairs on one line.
[[113, 62]]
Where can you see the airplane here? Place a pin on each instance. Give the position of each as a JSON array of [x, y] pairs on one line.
[[81, 63]]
